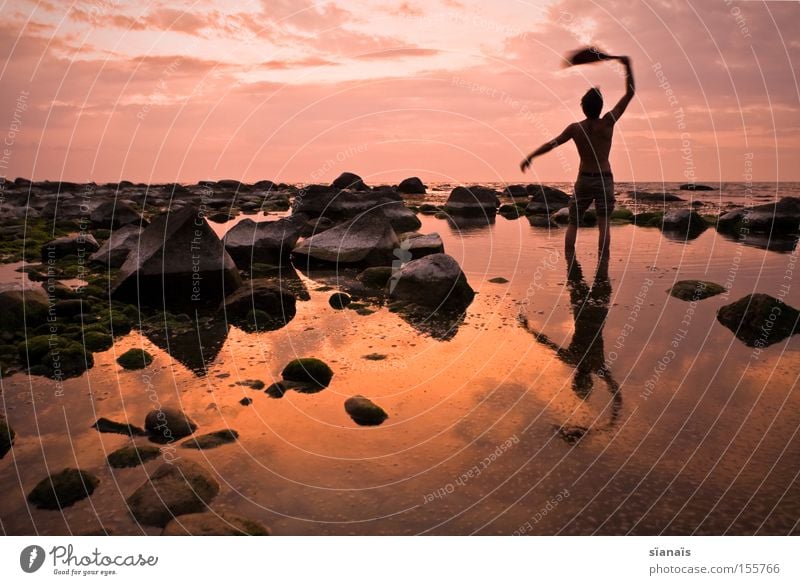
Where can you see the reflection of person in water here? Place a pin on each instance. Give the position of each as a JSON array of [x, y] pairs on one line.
[[585, 352]]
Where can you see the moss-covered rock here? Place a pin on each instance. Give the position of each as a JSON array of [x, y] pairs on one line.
[[63, 489], [364, 412], [375, 276], [214, 524], [96, 341], [622, 214], [104, 425], [135, 359], [311, 371], [168, 424], [695, 290], [649, 218], [133, 455]]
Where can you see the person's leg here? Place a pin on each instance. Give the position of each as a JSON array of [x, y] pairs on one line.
[[605, 204], [569, 241], [604, 238]]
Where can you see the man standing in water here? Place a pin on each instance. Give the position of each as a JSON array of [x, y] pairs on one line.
[[595, 182]]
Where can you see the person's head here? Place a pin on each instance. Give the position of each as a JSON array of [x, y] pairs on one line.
[[592, 103]]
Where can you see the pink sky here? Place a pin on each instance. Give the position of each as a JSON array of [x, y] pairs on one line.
[[448, 90]]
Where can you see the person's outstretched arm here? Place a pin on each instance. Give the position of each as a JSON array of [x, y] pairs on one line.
[[566, 135], [630, 89]]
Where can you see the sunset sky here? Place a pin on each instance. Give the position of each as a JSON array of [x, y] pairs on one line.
[[448, 90]]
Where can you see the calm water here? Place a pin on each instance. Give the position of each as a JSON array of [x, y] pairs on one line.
[[704, 443]]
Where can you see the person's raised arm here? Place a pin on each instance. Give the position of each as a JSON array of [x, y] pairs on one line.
[[566, 135], [630, 89]]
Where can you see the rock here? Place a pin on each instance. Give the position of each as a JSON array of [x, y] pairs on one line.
[[401, 217], [133, 455], [56, 357], [621, 214], [96, 341], [435, 281], [778, 218], [168, 424], [266, 241], [179, 261], [512, 210], [730, 221], [498, 280], [349, 181], [115, 214], [176, 488], [310, 371], [695, 290], [135, 359], [213, 524], [375, 276], [542, 221], [683, 222], [104, 425], [7, 435], [367, 240], [428, 209], [277, 306], [644, 196], [117, 248], [339, 300], [63, 489], [759, 320], [364, 412], [472, 201], [695, 187], [545, 200], [253, 384], [316, 226], [649, 219], [68, 308], [419, 245], [211, 440], [276, 390], [82, 246], [412, 186], [516, 191], [23, 307], [246, 401]]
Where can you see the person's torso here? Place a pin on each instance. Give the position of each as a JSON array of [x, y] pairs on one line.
[[593, 140]]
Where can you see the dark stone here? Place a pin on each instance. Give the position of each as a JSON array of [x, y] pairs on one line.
[[412, 186], [472, 201], [7, 435], [135, 359], [349, 181], [644, 196], [364, 412], [695, 187], [179, 487], [435, 281], [246, 401], [308, 371], [180, 262], [116, 249], [211, 440], [22, 307], [276, 390], [168, 424], [545, 200], [414, 245], [277, 306], [266, 241], [759, 320], [82, 245], [375, 276], [339, 300], [115, 214], [63, 489], [695, 290], [683, 224], [104, 425], [133, 455]]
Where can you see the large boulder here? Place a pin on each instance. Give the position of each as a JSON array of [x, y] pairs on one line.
[[472, 201], [760, 320], [179, 261], [63, 489], [81, 245], [412, 186], [265, 241], [683, 223], [401, 217], [179, 487], [435, 281], [349, 181], [117, 248], [213, 524], [115, 214], [277, 306], [23, 307], [695, 187], [782, 217], [366, 240], [647, 197]]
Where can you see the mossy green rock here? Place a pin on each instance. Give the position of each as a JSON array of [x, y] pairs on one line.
[[364, 412], [135, 359], [133, 455], [63, 489], [96, 341], [695, 290], [308, 371]]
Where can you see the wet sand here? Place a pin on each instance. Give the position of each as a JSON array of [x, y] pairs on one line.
[[706, 443]]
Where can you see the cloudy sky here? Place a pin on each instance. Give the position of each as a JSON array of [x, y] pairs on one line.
[[449, 90]]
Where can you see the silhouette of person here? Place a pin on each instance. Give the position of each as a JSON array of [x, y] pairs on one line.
[[585, 353], [595, 181]]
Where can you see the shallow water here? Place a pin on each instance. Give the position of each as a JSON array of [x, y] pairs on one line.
[[706, 443]]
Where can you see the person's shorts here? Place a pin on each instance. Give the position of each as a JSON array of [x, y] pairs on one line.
[[597, 189]]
